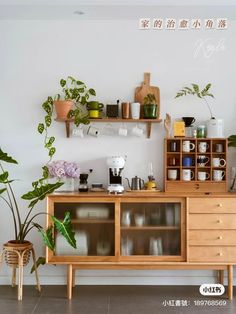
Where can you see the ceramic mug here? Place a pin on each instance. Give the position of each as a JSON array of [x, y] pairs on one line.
[[218, 162], [79, 132], [139, 220], [203, 176], [187, 174], [137, 131], [122, 131], [187, 146], [93, 131], [219, 148], [218, 175], [202, 147], [202, 160], [187, 161], [172, 174]]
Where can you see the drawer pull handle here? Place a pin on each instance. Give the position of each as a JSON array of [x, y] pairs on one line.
[[220, 238], [220, 205], [219, 221], [220, 254]]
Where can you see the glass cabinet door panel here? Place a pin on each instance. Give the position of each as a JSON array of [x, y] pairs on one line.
[[94, 227], [151, 229]]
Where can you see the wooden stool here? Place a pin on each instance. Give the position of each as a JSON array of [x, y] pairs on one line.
[[21, 253]]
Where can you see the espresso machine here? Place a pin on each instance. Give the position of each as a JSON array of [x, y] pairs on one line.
[[115, 165]]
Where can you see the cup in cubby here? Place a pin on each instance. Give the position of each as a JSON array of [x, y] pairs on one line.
[[187, 175], [202, 161], [172, 174], [203, 176], [188, 146]]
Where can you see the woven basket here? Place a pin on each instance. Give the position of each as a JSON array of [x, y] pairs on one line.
[[12, 258]]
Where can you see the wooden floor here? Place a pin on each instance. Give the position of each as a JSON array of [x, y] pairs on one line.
[[112, 300]]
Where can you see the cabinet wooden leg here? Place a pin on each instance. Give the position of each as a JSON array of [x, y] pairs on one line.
[[20, 280], [221, 276], [69, 281], [73, 278], [230, 282]]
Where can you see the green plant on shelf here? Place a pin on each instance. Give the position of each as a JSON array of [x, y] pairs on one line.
[[196, 91]]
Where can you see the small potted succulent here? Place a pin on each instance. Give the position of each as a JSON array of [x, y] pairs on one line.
[[150, 106]]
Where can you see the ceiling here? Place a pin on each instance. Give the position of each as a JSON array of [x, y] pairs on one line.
[[115, 9]]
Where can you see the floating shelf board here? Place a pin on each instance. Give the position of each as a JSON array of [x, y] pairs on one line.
[[111, 120]]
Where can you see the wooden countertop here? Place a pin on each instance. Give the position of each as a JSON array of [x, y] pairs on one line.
[[143, 194]]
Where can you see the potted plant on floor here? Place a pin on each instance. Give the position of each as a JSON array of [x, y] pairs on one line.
[[22, 223]]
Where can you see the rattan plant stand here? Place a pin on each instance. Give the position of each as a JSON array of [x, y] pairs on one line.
[[18, 258]]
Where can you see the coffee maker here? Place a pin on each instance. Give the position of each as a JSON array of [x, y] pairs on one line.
[[115, 165]]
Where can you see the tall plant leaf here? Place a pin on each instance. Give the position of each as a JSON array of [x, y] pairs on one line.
[[47, 235], [2, 190], [39, 193], [40, 261], [6, 158], [65, 228], [3, 177]]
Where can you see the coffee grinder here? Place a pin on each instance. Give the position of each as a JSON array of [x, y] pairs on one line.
[[115, 165], [83, 182]]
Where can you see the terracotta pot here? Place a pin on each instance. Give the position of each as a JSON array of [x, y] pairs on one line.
[[62, 108], [12, 257]]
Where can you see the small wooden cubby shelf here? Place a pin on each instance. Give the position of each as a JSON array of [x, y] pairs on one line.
[[195, 184], [148, 122]]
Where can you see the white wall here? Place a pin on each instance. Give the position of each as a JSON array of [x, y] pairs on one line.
[[110, 56]]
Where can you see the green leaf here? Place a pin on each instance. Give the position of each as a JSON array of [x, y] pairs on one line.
[[62, 82], [47, 235], [92, 92], [45, 172], [50, 100], [39, 193], [35, 184], [51, 139], [79, 83], [2, 190], [52, 151], [3, 177], [40, 128], [6, 158], [47, 107], [210, 95], [48, 120], [195, 88], [73, 80], [40, 261], [65, 228]]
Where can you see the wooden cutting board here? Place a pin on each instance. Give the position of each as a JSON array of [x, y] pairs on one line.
[[143, 90]]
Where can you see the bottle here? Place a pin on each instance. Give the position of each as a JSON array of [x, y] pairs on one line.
[[201, 131]]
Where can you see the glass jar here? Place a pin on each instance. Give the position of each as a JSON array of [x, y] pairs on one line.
[[201, 131]]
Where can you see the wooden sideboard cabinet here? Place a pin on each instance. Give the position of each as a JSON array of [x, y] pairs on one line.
[[146, 231]]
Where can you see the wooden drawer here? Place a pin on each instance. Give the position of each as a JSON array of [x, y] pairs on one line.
[[196, 186], [212, 237], [212, 205], [212, 221], [225, 254]]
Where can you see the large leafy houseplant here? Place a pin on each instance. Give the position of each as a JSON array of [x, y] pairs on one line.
[[200, 93], [22, 223]]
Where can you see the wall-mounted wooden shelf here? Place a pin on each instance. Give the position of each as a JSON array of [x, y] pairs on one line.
[[114, 120]]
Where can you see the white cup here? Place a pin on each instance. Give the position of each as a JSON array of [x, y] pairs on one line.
[[139, 219], [93, 131], [187, 146], [137, 131], [202, 147], [218, 175], [218, 162], [78, 132], [187, 174], [172, 174], [203, 176], [135, 110], [122, 131]]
